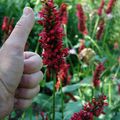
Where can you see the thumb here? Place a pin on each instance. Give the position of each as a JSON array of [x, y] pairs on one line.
[[19, 35]]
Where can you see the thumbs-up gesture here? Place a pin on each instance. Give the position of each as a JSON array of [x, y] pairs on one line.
[[19, 71]]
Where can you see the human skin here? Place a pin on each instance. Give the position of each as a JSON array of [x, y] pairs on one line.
[[19, 71]]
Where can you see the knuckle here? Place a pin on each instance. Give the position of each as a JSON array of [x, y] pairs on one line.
[[23, 103], [39, 59], [26, 104], [19, 24]]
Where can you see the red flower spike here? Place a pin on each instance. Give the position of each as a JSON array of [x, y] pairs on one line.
[[81, 20], [5, 24], [63, 13], [91, 109], [51, 40], [98, 105], [110, 6], [100, 9], [96, 78], [82, 115]]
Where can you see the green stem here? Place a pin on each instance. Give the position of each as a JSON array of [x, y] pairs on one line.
[[117, 71], [95, 28], [37, 47], [79, 92], [65, 31], [109, 93], [54, 78], [66, 45], [62, 101], [106, 34], [92, 89], [23, 116], [94, 43]]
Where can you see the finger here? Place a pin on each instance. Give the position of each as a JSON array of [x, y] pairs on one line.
[[31, 80], [24, 93], [32, 63], [22, 103], [21, 31]]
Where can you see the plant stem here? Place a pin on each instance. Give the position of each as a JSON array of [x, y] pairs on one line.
[[95, 28], [94, 43], [67, 45], [37, 48], [110, 97], [106, 34], [54, 80], [62, 101]]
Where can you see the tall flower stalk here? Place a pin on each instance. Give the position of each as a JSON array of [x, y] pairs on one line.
[[5, 24], [81, 20], [100, 9], [51, 41], [51, 37], [96, 78], [110, 6], [7, 27], [63, 13]]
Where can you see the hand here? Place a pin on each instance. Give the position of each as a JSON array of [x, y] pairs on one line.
[[19, 71]]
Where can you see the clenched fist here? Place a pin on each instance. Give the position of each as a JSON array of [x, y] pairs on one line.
[[19, 71]]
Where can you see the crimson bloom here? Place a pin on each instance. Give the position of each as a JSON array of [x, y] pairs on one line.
[[51, 39], [5, 24], [7, 27], [110, 6], [63, 13], [100, 9], [91, 109], [96, 78], [81, 20], [82, 115], [96, 106]]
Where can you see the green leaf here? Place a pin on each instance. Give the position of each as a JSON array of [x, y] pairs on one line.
[[50, 85], [117, 117], [71, 108], [44, 101], [58, 116], [70, 88], [86, 80]]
